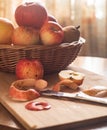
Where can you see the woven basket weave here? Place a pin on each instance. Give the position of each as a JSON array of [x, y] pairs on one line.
[[54, 58]]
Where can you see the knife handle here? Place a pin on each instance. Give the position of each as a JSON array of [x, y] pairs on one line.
[[83, 96]]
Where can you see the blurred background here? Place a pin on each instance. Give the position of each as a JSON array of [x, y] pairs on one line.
[[91, 15]]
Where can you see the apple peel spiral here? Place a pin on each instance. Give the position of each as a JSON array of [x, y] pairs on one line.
[[26, 89]]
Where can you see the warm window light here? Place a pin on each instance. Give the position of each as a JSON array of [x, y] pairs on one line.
[[73, 12], [99, 12], [97, 4], [90, 2], [30, 0]]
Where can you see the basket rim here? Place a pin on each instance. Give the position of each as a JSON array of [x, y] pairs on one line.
[[11, 46]]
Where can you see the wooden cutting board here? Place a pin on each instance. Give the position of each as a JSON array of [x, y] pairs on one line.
[[63, 111]]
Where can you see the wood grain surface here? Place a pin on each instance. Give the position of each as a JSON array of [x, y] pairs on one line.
[[63, 111]]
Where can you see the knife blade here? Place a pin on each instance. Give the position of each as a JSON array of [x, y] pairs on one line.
[[79, 95]]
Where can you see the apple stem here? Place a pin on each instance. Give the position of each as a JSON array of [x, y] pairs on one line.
[[28, 3], [77, 27]]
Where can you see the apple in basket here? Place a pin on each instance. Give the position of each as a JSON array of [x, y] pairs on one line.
[[25, 36], [26, 68], [52, 18], [51, 33], [32, 14], [6, 30]]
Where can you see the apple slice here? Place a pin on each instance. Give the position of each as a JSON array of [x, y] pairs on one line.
[[97, 91], [40, 84], [23, 90], [77, 77]]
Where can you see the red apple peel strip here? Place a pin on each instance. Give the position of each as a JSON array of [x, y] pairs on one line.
[[66, 82], [37, 106], [24, 90], [21, 95]]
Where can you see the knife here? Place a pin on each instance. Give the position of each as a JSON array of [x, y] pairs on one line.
[[79, 95]]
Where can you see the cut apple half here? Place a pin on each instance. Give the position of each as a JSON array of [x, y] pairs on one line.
[[77, 77]]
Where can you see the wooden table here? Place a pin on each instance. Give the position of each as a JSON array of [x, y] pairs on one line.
[[94, 64]]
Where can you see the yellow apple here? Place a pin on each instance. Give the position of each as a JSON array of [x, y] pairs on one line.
[[6, 31], [25, 36]]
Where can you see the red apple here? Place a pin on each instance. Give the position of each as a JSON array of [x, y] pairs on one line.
[[25, 36], [51, 33], [31, 14], [29, 69], [6, 31], [51, 18]]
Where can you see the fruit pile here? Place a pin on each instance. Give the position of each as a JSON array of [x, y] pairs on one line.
[[35, 26], [6, 31]]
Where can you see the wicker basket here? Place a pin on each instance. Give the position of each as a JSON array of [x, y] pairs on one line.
[[54, 58]]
